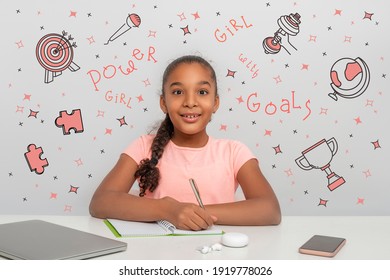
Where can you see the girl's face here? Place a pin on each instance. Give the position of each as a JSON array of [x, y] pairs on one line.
[[190, 99]]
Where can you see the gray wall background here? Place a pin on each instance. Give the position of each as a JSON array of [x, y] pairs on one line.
[[277, 104]]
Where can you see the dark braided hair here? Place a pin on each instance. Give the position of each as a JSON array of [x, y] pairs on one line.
[[148, 172]]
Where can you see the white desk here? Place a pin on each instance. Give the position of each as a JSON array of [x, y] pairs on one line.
[[367, 238]]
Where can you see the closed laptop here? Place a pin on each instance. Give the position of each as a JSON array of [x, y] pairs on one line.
[[41, 240]]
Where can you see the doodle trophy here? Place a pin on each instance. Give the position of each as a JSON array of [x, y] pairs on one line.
[[288, 25], [319, 156]]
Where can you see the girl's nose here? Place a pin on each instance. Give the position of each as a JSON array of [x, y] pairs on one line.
[[190, 100]]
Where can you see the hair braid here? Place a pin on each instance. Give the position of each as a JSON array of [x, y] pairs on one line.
[[148, 172]]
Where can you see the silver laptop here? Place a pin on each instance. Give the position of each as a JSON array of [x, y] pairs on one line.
[[40, 240]]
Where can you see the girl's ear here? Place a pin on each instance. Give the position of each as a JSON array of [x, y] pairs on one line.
[[216, 105], [163, 106]]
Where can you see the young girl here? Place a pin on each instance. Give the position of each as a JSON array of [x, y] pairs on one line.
[[182, 149]]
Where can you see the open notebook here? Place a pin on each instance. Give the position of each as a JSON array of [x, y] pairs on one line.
[[122, 228]]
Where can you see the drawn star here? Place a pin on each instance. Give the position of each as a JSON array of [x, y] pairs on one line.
[[367, 173], [19, 44], [357, 120], [53, 195], [360, 201], [322, 202], [27, 97], [152, 33], [100, 114], [78, 162], [305, 67], [33, 114], [182, 16], [347, 39], [73, 189], [122, 121], [68, 208], [306, 192], [230, 73], [73, 14], [267, 132], [313, 38], [376, 144], [146, 82], [186, 30], [223, 127], [108, 131], [368, 15], [369, 102], [324, 111], [337, 12], [277, 79], [240, 100], [91, 40], [19, 109], [140, 98], [288, 172], [196, 16], [277, 149]]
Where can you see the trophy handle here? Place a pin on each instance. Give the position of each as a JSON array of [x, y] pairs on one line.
[[334, 145], [301, 165]]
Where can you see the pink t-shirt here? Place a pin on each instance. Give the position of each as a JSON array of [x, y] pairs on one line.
[[214, 168]]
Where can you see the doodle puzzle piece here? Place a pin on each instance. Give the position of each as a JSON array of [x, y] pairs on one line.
[[70, 121], [34, 160]]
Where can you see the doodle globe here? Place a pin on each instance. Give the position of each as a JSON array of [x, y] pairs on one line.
[[349, 77]]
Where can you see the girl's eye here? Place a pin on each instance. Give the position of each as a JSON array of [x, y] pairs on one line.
[[177, 92], [203, 92]]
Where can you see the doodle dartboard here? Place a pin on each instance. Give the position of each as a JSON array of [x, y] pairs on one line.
[[54, 52]]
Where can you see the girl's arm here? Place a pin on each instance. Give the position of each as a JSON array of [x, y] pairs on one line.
[[112, 200], [260, 206]]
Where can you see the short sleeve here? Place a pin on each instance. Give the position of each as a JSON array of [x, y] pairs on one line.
[[140, 148], [241, 155]]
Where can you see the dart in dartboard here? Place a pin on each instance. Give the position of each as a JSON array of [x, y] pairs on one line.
[[55, 54], [132, 20]]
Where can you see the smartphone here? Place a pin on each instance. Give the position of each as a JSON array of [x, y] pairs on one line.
[[321, 245]]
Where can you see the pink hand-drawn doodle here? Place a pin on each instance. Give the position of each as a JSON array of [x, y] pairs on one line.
[[288, 26], [71, 121], [34, 160], [55, 54], [319, 156], [132, 20], [350, 78]]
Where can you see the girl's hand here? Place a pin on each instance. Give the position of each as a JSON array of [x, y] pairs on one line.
[[187, 216]]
